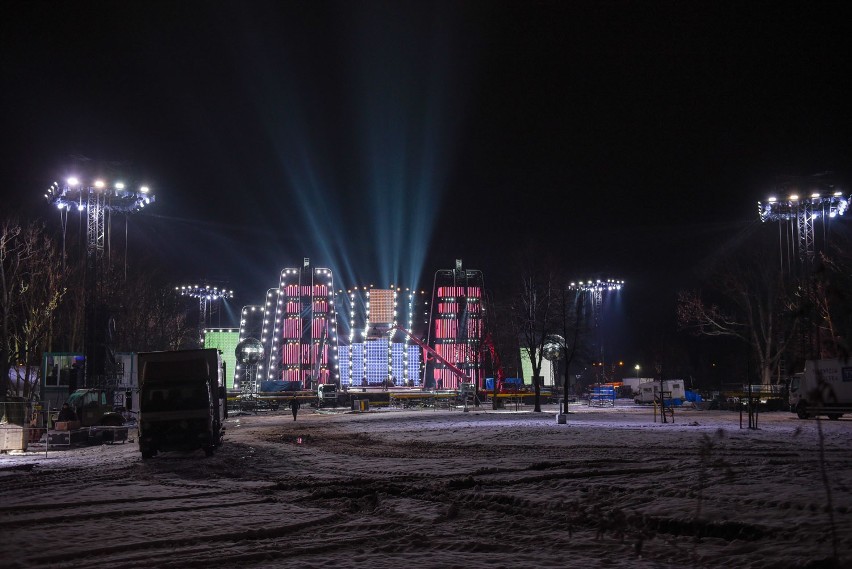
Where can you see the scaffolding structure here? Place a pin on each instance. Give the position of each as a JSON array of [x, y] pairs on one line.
[[804, 201], [98, 199]]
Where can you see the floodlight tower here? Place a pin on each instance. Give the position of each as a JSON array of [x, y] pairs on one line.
[[206, 296], [807, 200], [99, 199], [803, 205], [596, 289]]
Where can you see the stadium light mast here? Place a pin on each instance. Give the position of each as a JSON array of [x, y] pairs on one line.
[[596, 289], [98, 199], [806, 200], [206, 296]]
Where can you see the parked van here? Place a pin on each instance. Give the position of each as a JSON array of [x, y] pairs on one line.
[[649, 391]]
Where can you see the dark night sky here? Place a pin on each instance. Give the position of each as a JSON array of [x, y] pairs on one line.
[[627, 138]]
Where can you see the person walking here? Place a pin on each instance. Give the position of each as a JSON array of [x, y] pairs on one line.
[[294, 406]]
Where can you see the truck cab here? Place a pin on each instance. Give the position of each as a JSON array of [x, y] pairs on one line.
[[825, 388], [327, 394]]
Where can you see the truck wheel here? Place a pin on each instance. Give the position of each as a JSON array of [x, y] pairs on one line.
[[802, 411], [834, 416]]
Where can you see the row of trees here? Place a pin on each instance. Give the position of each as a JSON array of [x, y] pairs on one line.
[[780, 316], [43, 301], [783, 317]]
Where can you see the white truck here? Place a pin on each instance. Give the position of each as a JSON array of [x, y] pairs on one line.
[[646, 392], [825, 388]]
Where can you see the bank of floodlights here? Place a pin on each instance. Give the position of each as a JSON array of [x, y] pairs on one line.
[[814, 205], [801, 208], [95, 198], [204, 292], [597, 285], [79, 194], [596, 289], [206, 296]]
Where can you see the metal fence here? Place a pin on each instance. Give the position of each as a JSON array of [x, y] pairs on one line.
[[26, 425]]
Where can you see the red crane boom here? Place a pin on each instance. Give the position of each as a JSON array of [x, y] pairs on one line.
[[462, 375]]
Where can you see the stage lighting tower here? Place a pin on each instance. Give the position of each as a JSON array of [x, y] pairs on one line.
[[206, 296], [806, 200], [595, 289], [98, 198]]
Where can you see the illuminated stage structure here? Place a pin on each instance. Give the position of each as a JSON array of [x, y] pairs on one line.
[[456, 329], [385, 334], [595, 291], [371, 356], [298, 332], [99, 200]]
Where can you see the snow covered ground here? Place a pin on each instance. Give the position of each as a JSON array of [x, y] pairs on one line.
[[428, 488]]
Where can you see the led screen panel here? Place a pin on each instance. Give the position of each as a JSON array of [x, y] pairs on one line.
[[381, 306], [225, 340]]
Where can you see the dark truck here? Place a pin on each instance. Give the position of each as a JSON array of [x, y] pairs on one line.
[[182, 401]]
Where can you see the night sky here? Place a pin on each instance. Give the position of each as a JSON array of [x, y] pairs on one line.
[[387, 139]]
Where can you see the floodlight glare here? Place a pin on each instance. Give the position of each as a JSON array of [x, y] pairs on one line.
[[99, 183], [72, 181], [119, 185], [144, 189]]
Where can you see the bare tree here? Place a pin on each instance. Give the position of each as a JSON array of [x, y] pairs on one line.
[[533, 309], [832, 299], [31, 288], [569, 326], [148, 314], [750, 300], [497, 343]]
